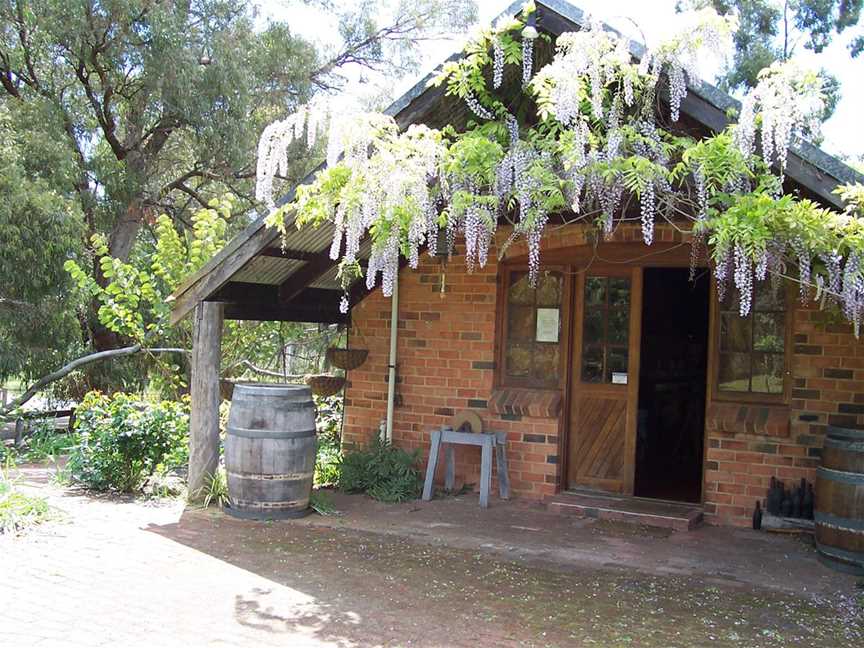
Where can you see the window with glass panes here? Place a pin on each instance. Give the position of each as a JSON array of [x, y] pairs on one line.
[[752, 349], [532, 330], [605, 328]]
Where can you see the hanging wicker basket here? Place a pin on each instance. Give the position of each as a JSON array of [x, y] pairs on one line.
[[325, 385], [346, 359], [226, 389]]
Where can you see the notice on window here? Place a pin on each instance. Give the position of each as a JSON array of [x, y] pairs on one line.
[[547, 325], [619, 378]]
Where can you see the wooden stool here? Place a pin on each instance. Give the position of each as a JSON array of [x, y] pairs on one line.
[[493, 441]]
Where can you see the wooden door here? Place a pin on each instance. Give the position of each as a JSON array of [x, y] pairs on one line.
[[605, 379]]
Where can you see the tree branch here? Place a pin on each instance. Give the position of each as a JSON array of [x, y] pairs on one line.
[[16, 304], [103, 116], [54, 376]]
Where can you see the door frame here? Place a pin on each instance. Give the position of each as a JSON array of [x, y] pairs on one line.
[[575, 260], [633, 257]]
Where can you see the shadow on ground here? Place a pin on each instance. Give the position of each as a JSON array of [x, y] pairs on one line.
[[368, 578]]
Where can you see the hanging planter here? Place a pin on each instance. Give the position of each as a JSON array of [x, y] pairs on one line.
[[346, 359], [226, 389], [325, 385]]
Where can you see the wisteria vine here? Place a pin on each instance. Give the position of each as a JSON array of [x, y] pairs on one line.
[[596, 143]]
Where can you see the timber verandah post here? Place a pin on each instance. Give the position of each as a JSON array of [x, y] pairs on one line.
[[204, 390]]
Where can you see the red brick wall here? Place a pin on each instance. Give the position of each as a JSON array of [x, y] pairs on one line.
[[446, 362], [827, 389]]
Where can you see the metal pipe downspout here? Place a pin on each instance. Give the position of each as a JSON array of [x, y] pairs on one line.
[[391, 365]]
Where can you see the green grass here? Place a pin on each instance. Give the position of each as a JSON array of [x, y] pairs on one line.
[[43, 445], [214, 490], [18, 510], [321, 502]]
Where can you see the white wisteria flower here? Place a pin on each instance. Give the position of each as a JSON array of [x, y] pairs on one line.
[[787, 102]]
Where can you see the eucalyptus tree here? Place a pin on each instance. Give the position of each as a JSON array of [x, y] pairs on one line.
[[774, 30]]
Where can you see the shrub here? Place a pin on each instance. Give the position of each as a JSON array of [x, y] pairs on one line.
[[124, 440], [215, 490], [382, 471]]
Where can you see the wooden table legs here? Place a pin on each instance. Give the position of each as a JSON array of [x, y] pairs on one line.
[[495, 442]]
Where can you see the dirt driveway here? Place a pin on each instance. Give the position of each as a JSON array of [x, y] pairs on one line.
[[131, 573]]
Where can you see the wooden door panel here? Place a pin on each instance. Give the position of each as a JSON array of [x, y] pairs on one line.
[[602, 423], [599, 447]]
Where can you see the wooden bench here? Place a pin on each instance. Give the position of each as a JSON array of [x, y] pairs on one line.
[[490, 442]]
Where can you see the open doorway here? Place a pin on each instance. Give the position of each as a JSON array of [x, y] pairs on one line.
[[672, 385]]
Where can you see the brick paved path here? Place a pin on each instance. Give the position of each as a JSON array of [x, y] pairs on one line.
[[105, 581], [132, 573]]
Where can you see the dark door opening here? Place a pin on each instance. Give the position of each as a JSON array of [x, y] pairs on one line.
[[671, 414]]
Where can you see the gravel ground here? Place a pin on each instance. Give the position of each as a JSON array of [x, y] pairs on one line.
[[125, 572]]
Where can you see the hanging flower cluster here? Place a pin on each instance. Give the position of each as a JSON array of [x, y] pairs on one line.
[[597, 152], [277, 138], [586, 63], [379, 183], [788, 101], [704, 32], [468, 179]]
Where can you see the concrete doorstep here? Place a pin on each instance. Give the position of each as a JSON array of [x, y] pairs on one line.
[[637, 510]]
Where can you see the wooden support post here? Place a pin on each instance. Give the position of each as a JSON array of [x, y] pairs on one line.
[[204, 389], [501, 464]]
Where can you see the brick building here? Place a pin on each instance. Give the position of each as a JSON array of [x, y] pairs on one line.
[[616, 373]]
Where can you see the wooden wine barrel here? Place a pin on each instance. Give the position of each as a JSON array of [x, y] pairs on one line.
[[270, 451], [839, 501]]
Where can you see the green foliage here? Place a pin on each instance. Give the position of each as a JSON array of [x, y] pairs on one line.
[[112, 112], [769, 31], [42, 443], [321, 502], [132, 295], [124, 440], [38, 229], [413, 21], [215, 490], [8, 454], [382, 471], [45, 443], [18, 510], [329, 455], [132, 300]]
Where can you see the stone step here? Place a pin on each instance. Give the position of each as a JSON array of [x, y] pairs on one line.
[[637, 510]]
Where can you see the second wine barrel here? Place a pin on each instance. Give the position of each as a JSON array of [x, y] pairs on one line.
[[270, 450], [839, 501]]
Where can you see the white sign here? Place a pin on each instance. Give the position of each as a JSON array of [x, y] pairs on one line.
[[619, 378], [547, 325]]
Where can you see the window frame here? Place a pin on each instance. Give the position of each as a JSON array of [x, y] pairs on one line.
[[604, 342], [501, 379], [749, 397]]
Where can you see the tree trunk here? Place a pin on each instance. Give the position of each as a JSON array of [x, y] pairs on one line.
[[204, 387], [125, 230]]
